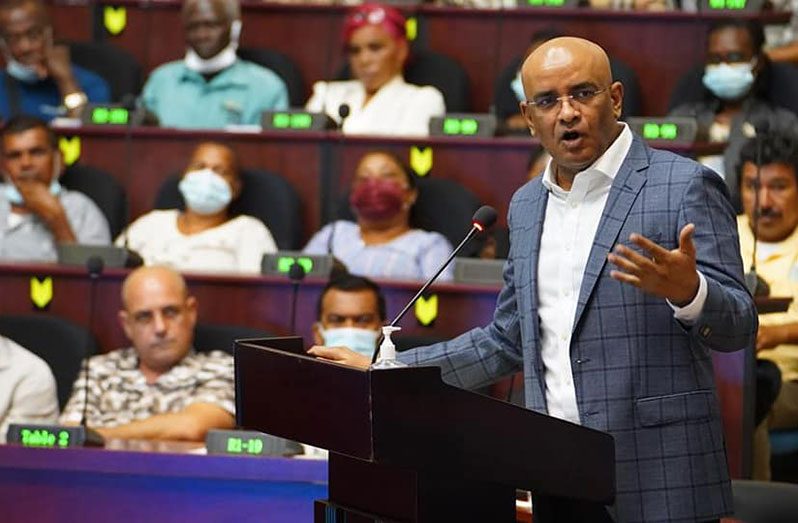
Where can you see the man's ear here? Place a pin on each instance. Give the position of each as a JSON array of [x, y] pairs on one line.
[[123, 322], [525, 112], [616, 94]]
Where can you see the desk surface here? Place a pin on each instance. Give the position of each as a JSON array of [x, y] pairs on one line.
[[101, 485]]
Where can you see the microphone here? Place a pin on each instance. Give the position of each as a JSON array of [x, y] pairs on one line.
[[343, 112], [94, 266], [482, 220], [756, 286], [296, 273]]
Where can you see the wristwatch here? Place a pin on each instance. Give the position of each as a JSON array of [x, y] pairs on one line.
[[75, 100]]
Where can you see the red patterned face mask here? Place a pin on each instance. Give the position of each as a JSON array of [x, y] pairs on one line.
[[377, 199]]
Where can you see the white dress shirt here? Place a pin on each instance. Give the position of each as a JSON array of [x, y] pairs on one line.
[[397, 109], [570, 225]]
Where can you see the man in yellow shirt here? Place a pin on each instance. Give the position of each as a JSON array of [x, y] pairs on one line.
[[777, 265]]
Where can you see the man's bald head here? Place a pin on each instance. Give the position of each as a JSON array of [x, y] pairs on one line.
[[147, 279], [559, 52], [572, 103]]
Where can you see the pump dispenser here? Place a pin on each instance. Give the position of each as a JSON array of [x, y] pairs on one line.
[[387, 358]]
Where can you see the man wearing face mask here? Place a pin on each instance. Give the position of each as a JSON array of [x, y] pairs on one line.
[[36, 213], [39, 79], [350, 312], [735, 102], [206, 235], [211, 87]]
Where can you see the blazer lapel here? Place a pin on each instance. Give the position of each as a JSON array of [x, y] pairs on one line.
[[623, 193]]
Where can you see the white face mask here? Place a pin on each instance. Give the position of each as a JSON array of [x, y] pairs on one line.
[[205, 192], [362, 341], [224, 59]]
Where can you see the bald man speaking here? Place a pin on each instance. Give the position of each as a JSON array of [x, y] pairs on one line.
[[624, 273]]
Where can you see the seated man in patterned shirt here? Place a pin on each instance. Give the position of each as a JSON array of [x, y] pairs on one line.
[[159, 388]]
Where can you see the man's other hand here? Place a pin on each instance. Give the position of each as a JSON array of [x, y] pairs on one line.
[[341, 355], [668, 274]]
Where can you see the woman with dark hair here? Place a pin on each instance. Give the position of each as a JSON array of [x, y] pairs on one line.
[[383, 242], [378, 100]]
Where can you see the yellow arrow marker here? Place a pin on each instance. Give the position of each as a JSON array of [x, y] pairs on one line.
[[427, 309], [411, 28], [70, 148], [115, 19], [41, 292], [421, 160]]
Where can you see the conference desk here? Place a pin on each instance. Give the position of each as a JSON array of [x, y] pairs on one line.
[[319, 165], [262, 302], [163, 484], [659, 46]]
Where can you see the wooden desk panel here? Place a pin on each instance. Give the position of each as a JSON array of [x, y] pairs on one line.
[[107, 485], [659, 46]]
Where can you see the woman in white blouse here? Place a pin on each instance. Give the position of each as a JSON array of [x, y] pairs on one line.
[[204, 236], [378, 101]]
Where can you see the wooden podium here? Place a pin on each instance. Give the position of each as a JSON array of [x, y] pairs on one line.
[[405, 446]]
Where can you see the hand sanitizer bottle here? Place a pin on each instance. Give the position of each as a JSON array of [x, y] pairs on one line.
[[387, 358]]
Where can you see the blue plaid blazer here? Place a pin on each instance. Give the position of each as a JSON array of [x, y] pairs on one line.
[[639, 374]]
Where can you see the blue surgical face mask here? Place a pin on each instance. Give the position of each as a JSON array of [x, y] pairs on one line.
[[729, 81], [205, 192], [21, 72], [15, 198], [362, 341], [518, 87]]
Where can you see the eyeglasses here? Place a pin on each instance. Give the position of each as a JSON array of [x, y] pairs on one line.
[[581, 96]]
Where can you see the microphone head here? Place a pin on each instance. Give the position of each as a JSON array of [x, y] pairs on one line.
[[95, 266], [296, 272], [484, 218], [343, 111]]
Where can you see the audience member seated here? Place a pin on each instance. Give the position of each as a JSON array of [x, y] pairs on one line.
[[211, 87], [383, 242], [40, 79], [734, 102], [159, 388], [27, 388], [204, 236], [36, 213], [378, 100], [508, 91], [777, 265], [350, 313]]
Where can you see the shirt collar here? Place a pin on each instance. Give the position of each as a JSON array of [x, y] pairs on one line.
[[230, 76], [607, 165]]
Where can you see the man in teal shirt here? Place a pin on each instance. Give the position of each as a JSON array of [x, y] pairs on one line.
[[211, 87]]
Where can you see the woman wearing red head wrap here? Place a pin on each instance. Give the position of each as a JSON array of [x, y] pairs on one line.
[[378, 100]]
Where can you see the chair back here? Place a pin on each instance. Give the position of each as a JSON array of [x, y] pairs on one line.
[[103, 189], [283, 66], [116, 66]]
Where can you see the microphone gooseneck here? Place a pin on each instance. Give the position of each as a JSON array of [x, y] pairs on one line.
[[751, 278], [94, 266], [482, 220]]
